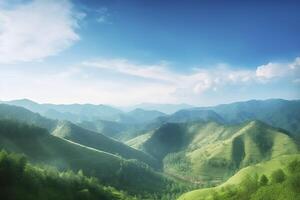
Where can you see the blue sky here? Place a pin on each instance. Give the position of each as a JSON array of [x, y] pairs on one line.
[[127, 52]]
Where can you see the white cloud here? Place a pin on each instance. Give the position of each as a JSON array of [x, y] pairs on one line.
[[274, 70], [196, 82], [122, 82], [36, 29]]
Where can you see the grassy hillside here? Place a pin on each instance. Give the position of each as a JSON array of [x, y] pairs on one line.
[[41, 147], [211, 151], [20, 180], [277, 179], [138, 141], [98, 141]]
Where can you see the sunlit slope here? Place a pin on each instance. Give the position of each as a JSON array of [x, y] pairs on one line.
[[252, 143], [212, 151], [138, 141], [75, 133], [41, 147], [250, 172], [98, 141]]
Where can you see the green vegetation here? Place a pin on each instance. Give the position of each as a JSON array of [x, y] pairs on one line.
[[98, 141], [196, 148], [202, 152], [40, 147], [138, 141], [22, 115], [278, 179], [20, 180]]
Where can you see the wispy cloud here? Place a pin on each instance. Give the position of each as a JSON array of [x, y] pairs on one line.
[[123, 82], [36, 29], [102, 16]]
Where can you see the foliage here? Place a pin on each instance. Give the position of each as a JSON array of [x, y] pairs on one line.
[[278, 176], [283, 186], [21, 180]]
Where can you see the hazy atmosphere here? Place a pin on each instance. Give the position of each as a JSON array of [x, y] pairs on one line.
[[129, 52]]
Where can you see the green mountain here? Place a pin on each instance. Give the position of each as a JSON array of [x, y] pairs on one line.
[[276, 112], [26, 116], [277, 179], [42, 148], [98, 141], [21, 180], [74, 133], [211, 151]]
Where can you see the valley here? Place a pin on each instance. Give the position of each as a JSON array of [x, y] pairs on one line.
[[191, 154]]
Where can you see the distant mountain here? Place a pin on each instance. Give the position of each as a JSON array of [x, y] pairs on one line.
[[213, 151], [165, 108], [71, 112], [23, 115], [276, 112], [139, 116], [184, 116]]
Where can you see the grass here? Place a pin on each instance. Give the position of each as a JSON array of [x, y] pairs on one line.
[[266, 168]]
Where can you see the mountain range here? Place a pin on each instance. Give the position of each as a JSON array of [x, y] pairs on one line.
[[151, 154]]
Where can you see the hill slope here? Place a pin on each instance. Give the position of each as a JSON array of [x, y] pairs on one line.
[[247, 183], [41, 147], [21, 180], [212, 151], [98, 141], [23, 115], [75, 133]]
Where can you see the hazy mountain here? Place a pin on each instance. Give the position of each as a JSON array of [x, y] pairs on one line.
[[23, 115], [165, 108], [140, 116], [72, 112], [276, 112]]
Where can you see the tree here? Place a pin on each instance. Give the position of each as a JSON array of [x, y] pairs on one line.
[[278, 176], [263, 180]]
